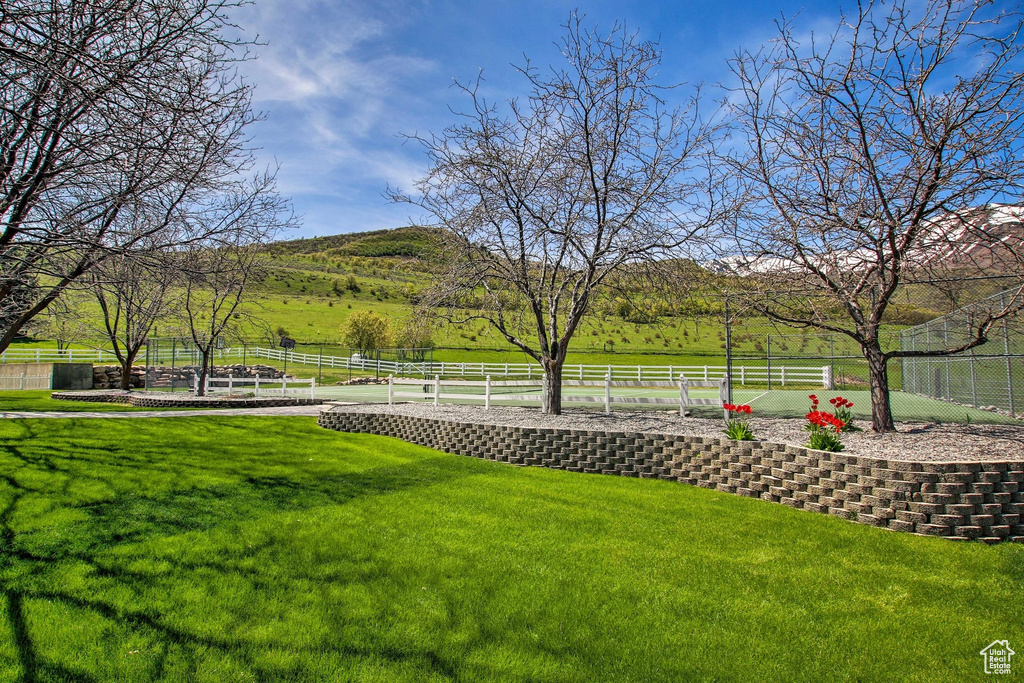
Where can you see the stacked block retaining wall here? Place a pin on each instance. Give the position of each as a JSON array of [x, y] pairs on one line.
[[957, 500], [151, 401]]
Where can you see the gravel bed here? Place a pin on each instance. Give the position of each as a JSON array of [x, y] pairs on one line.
[[915, 442]]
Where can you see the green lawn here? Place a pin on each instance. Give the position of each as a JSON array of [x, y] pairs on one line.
[[39, 401], [222, 549]]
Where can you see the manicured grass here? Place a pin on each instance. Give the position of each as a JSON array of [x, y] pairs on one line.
[[36, 401], [219, 549]]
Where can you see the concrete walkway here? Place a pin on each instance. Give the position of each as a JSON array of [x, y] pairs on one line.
[[219, 412]]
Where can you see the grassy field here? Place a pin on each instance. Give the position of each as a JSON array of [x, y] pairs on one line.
[[40, 401], [224, 549]]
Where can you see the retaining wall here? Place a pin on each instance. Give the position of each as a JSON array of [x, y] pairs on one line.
[[957, 500], [157, 401]]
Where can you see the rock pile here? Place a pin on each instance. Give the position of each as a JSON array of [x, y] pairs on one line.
[[361, 380], [109, 376]]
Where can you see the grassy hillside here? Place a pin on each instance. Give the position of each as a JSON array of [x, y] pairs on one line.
[[314, 284]]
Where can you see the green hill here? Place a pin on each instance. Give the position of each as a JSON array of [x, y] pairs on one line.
[[411, 242]]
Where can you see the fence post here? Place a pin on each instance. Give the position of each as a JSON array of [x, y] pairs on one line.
[[391, 390], [826, 377], [723, 396], [768, 358], [1009, 366], [206, 384], [544, 393], [256, 391], [231, 383], [705, 373], [974, 381], [743, 375], [639, 373], [284, 385], [312, 388], [608, 394], [437, 387], [782, 374], [22, 380], [684, 395], [487, 392]]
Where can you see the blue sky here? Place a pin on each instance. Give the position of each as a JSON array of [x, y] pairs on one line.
[[340, 82]]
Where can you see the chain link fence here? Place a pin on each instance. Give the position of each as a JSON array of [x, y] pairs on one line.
[[985, 384], [988, 377]]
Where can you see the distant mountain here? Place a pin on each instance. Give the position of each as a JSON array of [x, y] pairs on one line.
[[989, 238]]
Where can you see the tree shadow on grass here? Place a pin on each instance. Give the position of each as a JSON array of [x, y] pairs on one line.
[[99, 537]]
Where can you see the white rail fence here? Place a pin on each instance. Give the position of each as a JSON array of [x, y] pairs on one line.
[[55, 356], [438, 391], [741, 374], [268, 387]]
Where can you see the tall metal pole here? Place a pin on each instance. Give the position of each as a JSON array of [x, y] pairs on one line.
[[320, 366], [768, 355], [728, 350]]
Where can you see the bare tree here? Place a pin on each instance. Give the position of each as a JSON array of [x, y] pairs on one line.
[[543, 199], [861, 154], [218, 271], [103, 105], [63, 322], [134, 291]]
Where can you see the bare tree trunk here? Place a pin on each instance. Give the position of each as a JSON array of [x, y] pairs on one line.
[[126, 368], [553, 368], [204, 371], [878, 379]]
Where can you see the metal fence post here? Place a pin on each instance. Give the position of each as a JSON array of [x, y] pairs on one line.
[[437, 387], [974, 381], [1009, 367], [487, 392], [391, 390], [768, 358], [728, 347]]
